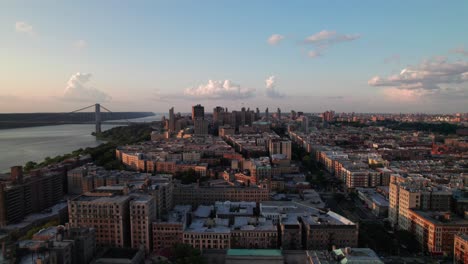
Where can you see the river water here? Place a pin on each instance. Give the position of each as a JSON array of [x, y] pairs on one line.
[[20, 145]]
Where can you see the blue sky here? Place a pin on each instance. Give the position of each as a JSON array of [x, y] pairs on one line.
[[151, 55]]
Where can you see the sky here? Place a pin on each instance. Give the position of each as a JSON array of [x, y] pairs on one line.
[[311, 56]]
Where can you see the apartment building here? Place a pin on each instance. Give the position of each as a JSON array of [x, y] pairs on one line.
[[193, 195], [167, 234], [291, 233], [328, 230], [253, 232], [208, 234], [460, 248], [435, 230], [107, 214], [142, 215], [304, 227], [20, 196], [162, 189]]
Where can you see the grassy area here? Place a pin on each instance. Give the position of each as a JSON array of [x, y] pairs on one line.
[[34, 230]]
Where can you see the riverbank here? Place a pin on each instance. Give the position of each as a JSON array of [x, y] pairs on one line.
[[103, 154]]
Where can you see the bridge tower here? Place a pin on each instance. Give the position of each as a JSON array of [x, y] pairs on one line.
[[98, 118]]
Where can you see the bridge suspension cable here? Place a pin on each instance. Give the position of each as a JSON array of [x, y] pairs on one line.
[[81, 109]]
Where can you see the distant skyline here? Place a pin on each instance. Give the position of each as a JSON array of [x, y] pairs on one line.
[[311, 56]]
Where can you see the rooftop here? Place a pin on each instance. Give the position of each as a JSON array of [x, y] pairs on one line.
[[100, 199], [255, 252], [441, 218]]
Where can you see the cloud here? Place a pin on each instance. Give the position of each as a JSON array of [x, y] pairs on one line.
[[78, 91], [270, 91], [80, 44], [392, 59], [328, 38], [314, 54], [325, 39], [275, 39], [460, 50], [270, 82], [406, 95], [435, 78], [220, 90], [24, 27]]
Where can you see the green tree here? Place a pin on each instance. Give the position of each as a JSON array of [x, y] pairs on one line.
[[30, 165], [186, 254]]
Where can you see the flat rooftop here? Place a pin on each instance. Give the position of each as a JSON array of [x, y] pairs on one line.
[[141, 199], [100, 199], [255, 252], [437, 217]]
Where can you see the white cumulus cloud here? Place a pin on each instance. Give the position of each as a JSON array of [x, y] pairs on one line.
[[220, 90], [275, 39], [436, 78], [24, 27], [270, 85], [325, 39], [77, 90]]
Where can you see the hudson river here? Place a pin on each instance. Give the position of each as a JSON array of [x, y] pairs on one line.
[[20, 145]]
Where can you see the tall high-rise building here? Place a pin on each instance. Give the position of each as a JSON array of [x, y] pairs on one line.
[[305, 124], [171, 120], [286, 148], [200, 127], [328, 115], [279, 113], [267, 115], [242, 117], [277, 146], [274, 146], [198, 112], [218, 115]]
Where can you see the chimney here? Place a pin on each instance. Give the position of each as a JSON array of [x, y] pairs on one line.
[[16, 174], [447, 216]]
